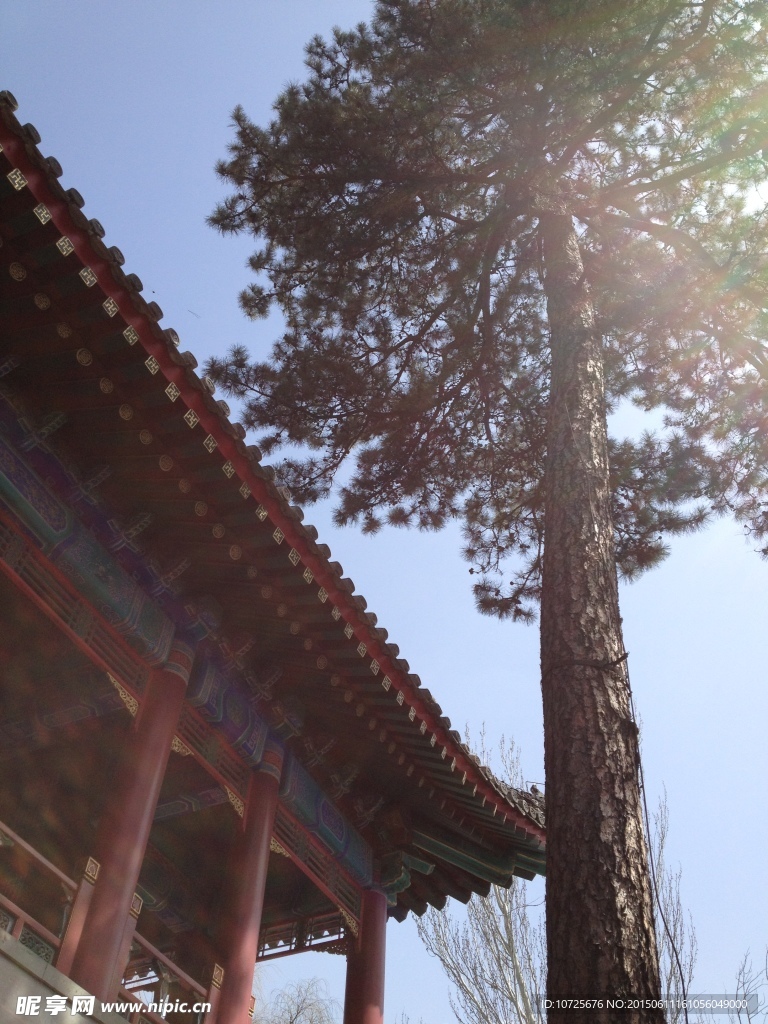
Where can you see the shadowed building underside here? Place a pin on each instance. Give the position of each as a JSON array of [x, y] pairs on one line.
[[212, 754]]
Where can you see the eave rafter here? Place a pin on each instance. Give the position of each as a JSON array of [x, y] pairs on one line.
[[229, 514]]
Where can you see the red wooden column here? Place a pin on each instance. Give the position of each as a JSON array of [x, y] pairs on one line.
[[246, 882], [364, 993], [125, 824]]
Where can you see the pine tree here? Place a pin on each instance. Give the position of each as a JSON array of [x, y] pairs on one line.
[[487, 223]]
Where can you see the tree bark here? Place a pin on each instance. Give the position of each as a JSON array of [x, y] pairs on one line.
[[600, 933]]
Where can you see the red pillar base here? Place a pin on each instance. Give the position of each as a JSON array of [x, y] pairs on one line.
[[364, 994], [124, 831], [247, 879]]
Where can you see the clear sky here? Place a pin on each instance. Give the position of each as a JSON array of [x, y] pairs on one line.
[[134, 98]]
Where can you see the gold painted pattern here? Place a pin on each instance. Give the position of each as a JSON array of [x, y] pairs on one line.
[[236, 802], [130, 702]]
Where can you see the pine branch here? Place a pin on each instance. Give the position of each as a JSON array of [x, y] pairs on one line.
[[609, 114], [752, 350]]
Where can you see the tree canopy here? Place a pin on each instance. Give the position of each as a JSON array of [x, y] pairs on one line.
[[396, 196], [487, 224]]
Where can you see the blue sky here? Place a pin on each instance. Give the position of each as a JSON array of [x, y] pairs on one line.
[[134, 100]]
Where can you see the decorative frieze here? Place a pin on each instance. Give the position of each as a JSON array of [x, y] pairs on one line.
[[130, 702], [65, 246], [16, 179], [317, 863], [350, 922], [315, 810], [237, 803], [179, 747], [88, 566], [37, 945], [91, 871]]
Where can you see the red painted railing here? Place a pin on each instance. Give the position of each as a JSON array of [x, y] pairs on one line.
[[323, 932], [158, 979], [20, 921], [149, 972]]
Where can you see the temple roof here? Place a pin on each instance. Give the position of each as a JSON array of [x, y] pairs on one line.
[[161, 473]]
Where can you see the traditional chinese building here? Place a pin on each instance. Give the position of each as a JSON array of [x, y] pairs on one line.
[[211, 752]]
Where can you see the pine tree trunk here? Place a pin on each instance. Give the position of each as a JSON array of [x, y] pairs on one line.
[[600, 935]]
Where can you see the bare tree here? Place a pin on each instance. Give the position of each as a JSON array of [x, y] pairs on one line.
[[495, 958], [675, 933], [300, 1002], [752, 986], [495, 954]]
